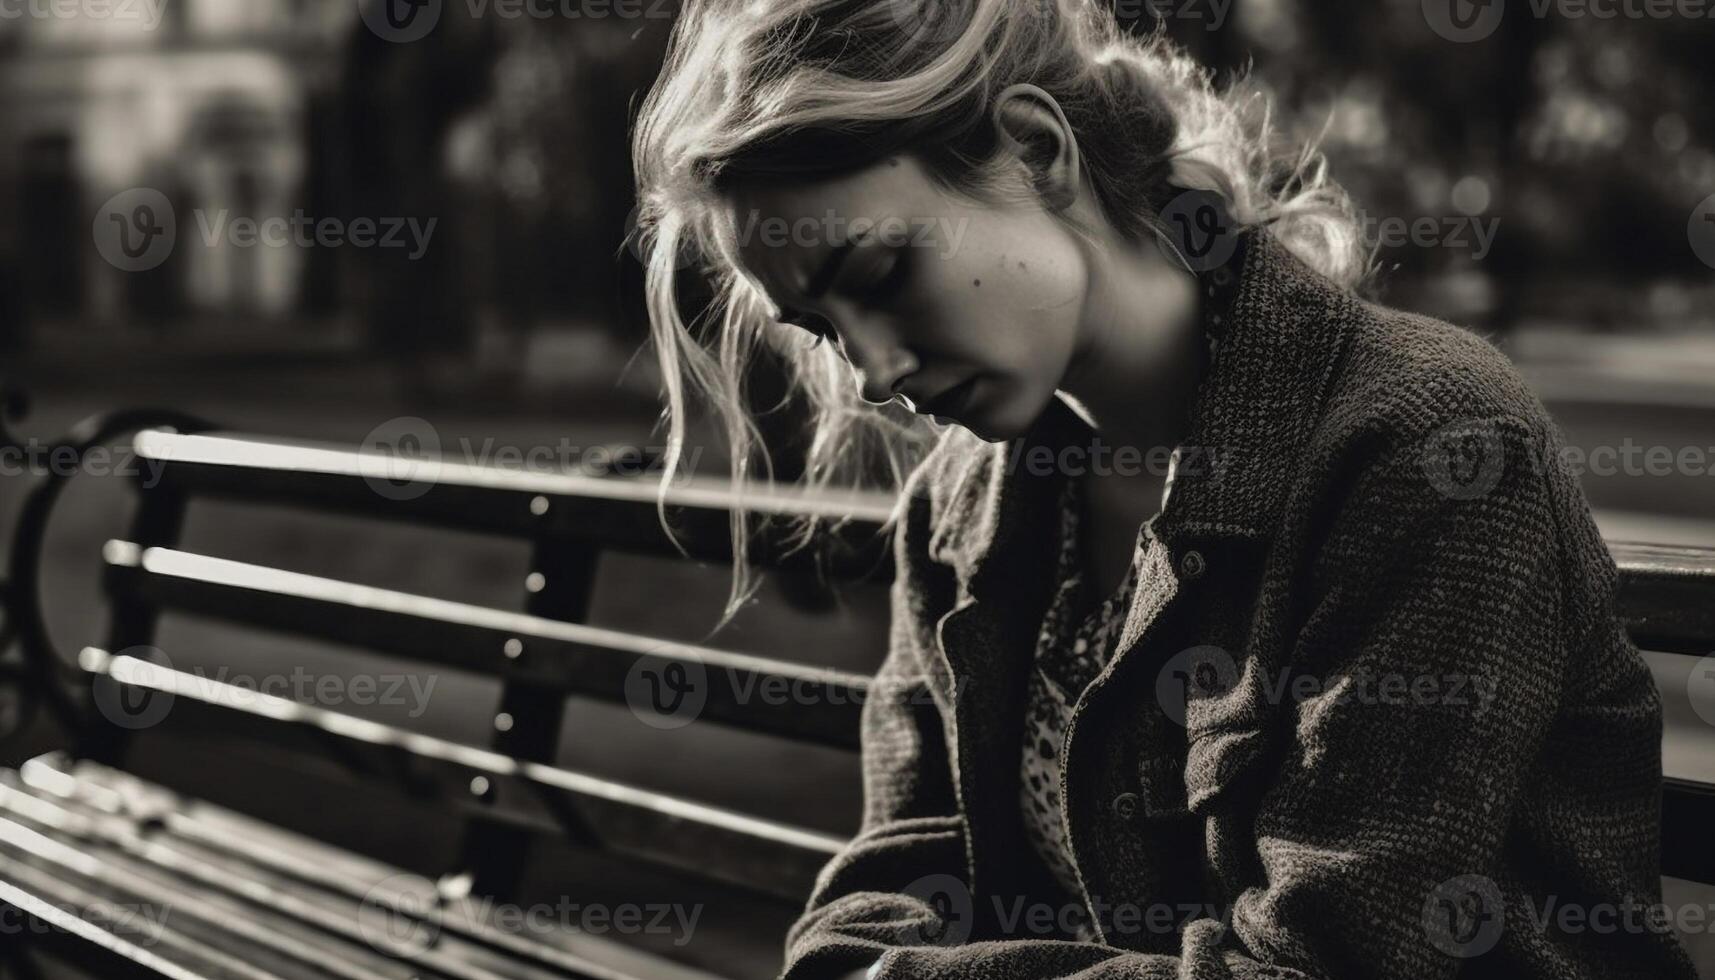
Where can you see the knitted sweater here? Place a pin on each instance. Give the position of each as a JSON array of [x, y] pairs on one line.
[[1414, 735]]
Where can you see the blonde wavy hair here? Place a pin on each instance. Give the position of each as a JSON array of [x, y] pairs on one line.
[[801, 89]]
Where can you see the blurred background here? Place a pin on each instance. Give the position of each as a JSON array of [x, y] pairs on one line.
[[1546, 180], [1541, 179]]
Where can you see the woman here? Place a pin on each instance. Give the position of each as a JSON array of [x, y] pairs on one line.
[[1333, 689]]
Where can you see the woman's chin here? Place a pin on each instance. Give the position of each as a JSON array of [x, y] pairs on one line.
[[994, 417], [990, 428]]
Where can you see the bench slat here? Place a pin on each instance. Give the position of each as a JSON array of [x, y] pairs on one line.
[[37, 867], [1667, 596], [617, 512], [1688, 813], [755, 693], [220, 917], [237, 902], [724, 845], [1666, 600], [197, 829]]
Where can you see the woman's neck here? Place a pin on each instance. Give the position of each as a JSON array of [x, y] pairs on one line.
[[1137, 365]]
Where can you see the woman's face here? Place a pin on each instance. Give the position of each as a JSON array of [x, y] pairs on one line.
[[973, 311]]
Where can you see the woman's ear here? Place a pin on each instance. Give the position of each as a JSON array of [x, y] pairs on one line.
[[1029, 123]]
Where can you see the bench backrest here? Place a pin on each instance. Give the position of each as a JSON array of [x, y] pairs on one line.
[[511, 788]]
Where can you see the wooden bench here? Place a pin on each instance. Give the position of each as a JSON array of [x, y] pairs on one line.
[[85, 844], [79, 836]]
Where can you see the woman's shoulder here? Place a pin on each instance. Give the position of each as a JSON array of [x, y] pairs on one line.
[[1441, 417], [1406, 378]]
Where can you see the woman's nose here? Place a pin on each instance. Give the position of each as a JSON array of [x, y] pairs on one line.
[[881, 363]]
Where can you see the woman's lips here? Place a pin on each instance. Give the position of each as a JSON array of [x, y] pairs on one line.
[[953, 401]]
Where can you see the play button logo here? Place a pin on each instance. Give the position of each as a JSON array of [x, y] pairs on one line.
[[400, 21]]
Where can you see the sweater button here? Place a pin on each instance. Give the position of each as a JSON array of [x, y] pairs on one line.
[[1193, 565], [1125, 806]]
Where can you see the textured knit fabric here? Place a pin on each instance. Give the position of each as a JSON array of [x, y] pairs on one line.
[[1408, 716], [1072, 647]]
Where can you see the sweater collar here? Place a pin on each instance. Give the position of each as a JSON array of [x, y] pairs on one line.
[[1280, 336]]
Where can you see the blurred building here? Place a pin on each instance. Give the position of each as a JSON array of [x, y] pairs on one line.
[[208, 101]]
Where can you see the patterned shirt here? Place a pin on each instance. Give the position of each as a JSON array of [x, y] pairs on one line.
[[1076, 640], [1074, 645]]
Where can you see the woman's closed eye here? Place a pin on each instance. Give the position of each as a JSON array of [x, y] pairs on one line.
[[884, 279], [877, 277]]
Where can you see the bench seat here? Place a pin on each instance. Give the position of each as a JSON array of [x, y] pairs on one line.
[[181, 888]]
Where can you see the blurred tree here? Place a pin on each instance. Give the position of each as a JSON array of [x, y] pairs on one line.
[[554, 163], [400, 100], [1590, 161]]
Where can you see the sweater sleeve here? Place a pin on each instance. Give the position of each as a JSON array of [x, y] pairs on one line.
[[881, 891], [1379, 838]]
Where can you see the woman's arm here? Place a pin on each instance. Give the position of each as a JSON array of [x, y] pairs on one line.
[[1377, 807], [912, 826]]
